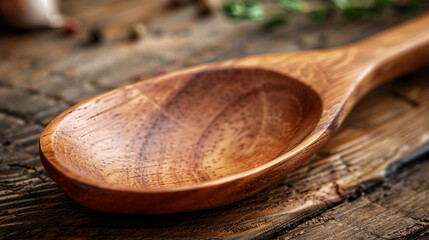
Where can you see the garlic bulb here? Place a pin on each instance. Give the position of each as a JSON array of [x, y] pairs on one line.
[[28, 14]]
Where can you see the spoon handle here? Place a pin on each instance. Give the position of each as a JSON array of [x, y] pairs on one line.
[[392, 53]]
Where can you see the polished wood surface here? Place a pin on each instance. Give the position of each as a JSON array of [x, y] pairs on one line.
[[217, 133]]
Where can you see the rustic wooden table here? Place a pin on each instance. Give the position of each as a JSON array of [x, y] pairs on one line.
[[370, 181]]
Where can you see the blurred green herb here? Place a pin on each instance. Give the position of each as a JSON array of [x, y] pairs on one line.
[[244, 10], [292, 5], [318, 10], [275, 22], [320, 15]]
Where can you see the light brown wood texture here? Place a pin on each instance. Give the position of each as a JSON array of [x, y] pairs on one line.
[[217, 133]]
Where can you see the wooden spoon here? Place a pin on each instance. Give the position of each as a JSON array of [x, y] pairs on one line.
[[213, 134]]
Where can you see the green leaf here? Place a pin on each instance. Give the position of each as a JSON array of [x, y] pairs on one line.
[[362, 9], [254, 11], [274, 23], [358, 13], [244, 10], [346, 4], [234, 9], [293, 5], [320, 15], [319, 11]]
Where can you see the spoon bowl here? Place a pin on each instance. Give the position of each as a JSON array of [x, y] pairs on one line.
[[217, 133], [199, 127]]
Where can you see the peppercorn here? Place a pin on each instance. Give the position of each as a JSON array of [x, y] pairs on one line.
[[177, 3], [95, 35], [204, 9], [137, 31]]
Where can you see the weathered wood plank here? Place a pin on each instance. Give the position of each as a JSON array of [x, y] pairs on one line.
[[325, 181], [397, 210]]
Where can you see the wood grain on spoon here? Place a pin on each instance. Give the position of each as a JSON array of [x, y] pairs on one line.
[[217, 133]]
